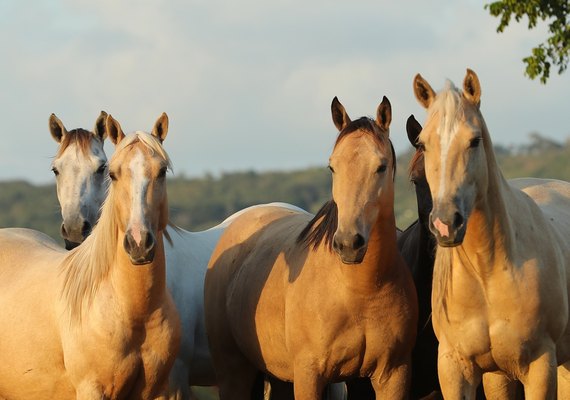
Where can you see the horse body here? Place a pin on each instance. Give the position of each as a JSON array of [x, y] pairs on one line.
[[292, 310], [501, 281], [302, 313], [96, 322], [32, 366], [187, 255], [525, 276]]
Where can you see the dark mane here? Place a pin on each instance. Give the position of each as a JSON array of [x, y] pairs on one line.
[[321, 227], [324, 224]]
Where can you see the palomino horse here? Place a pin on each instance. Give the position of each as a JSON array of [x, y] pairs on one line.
[[279, 300], [96, 322], [500, 292], [80, 168]]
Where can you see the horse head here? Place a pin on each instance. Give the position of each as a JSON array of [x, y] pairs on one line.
[[80, 169]]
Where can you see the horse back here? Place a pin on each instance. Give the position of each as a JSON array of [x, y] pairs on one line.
[[32, 359], [240, 265], [553, 199]]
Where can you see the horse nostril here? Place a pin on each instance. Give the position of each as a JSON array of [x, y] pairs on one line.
[[358, 241], [128, 242], [457, 220], [149, 240], [86, 229], [63, 231]]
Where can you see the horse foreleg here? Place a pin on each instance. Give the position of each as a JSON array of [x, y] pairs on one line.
[[236, 382], [540, 380], [307, 384], [458, 377], [280, 390], [395, 385], [89, 391], [498, 386], [564, 381], [178, 386]]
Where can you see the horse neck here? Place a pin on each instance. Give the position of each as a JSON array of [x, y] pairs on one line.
[[139, 289], [382, 256], [489, 230]]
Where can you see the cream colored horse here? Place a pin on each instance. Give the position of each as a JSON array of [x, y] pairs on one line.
[[96, 322], [501, 277], [80, 169], [318, 300]]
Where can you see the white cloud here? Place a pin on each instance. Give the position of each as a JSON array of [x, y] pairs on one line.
[[248, 84]]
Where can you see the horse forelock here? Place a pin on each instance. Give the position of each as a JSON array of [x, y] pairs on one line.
[[448, 105], [81, 138], [148, 141], [368, 126], [363, 124]]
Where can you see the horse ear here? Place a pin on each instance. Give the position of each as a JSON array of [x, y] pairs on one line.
[[160, 127], [56, 128], [114, 130], [100, 126], [339, 115], [413, 128], [423, 91], [472, 88], [384, 114]]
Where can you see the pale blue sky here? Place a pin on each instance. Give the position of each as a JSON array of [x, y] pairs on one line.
[[247, 84]]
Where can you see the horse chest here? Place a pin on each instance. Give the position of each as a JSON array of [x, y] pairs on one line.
[[497, 328]]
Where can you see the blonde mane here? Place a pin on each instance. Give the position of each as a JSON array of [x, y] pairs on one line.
[[89, 264], [449, 105]]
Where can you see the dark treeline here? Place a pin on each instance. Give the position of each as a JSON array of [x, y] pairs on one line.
[[199, 203]]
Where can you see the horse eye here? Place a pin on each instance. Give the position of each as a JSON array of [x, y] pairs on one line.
[[55, 171], [475, 142], [112, 176], [162, 173], [101, 169], [331, 169], [381, 169]]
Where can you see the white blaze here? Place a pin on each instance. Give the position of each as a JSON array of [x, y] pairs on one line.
[[139, 185], [447, 131]]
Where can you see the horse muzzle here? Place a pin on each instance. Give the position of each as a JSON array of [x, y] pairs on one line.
[[350, 248], [449, 230], [140, 247], [74, 233]]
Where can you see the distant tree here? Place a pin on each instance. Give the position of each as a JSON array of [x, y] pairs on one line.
[[555, 50]]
